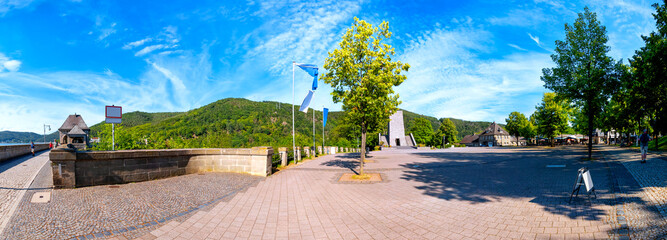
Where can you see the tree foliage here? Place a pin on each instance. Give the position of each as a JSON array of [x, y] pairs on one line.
[[422, 130], [584, 73], [552, 116], [517, 125], [648, 91], [363, 74], [448, 130]]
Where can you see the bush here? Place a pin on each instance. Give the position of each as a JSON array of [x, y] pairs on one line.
[[376, 148]]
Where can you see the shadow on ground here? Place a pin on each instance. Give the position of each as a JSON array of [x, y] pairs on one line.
[[479, 177]]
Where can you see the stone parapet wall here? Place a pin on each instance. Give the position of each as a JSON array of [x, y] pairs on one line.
[[76, 169], [12, 151]]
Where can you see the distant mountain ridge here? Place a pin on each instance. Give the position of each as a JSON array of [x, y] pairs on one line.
[[26, 137], [237, 122]]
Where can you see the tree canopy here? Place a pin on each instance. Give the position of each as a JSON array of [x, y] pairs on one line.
[[517, 125], [584, 73], [422, 130], [362, 74], [552, 116]]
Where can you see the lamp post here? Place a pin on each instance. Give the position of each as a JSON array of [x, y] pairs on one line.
[[45, 126]]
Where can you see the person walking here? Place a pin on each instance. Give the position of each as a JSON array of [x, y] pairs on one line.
[[32, 148], [643, 144]]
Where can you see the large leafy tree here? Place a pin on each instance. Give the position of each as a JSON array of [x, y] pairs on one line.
[[552, 116], [517, 124], [649, 93], [362, 74], [583, 73], [422, 130], [448, 130]]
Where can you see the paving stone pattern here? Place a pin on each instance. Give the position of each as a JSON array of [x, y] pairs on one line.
[[129, 211], [462, 193], [643, 190], [15, 176]]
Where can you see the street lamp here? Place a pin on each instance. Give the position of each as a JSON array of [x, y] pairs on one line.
[[45, 126]]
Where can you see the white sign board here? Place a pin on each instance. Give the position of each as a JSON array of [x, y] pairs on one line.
[[113, 114], [588, 181]]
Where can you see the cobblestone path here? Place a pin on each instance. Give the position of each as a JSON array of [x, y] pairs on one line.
[[16, 176], [643, 190], [127, 210], [464, 193]]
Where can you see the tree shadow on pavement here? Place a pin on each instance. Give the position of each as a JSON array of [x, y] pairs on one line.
[[479, 177], [349, 164]]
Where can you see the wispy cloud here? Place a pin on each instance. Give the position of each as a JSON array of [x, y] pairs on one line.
[[535, 39], [8, 5], [516, 47], [448, 79], [137, 43], [8, 64]]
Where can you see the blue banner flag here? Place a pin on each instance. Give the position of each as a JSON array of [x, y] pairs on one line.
[[325, 112], [306, 102], [311, 69]]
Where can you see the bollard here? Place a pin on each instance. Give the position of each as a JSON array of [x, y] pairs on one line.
[[283, 156], [297, 158], [306, 150], [319, 150]]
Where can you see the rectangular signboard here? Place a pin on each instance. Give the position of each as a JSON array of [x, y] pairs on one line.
[[113, 114]]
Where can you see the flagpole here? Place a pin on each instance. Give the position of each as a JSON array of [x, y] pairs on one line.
[[314, 132], [323, 130], [293, 139]]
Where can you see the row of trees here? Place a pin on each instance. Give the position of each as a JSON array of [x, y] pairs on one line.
[[596, 92], [423, 132]]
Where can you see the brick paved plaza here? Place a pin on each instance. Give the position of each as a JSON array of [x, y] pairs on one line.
[[460, 193]]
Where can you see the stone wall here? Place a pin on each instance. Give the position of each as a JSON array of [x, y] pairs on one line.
[[12, 151], [76, 169]]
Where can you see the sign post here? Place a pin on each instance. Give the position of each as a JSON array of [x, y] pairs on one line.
[[113, 114], [583, 178]]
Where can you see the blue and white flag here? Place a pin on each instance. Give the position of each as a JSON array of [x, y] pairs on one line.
[[325, 112], [306, 102], [311, 69]]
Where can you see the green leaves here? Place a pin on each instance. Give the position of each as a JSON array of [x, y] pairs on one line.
[[552, 116], [422, 130], [362, 75]]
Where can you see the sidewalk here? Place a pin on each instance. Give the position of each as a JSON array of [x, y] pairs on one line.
[[15, 178], [451, 194], [643, 190]]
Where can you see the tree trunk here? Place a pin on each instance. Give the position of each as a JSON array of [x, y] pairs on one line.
[[363, 149], [590, 133]]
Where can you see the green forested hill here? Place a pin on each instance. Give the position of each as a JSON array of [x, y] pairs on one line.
[[236, 122], [25, 137], [230, 122]]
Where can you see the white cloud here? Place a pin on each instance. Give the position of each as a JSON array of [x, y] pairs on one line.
[[134, 44], [149, 49], [448, 79], [8, 64], [535, 39], [516, 47], [8, 5]]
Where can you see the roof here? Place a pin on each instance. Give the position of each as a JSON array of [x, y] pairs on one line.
[[73, 120], [76, 131], [470, 139], [495, 129]]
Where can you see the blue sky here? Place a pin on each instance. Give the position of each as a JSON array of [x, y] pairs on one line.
[[473, 60]]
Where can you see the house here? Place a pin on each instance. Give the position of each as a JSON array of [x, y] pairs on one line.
[[494, 135], [471, 140], [75, 131]]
